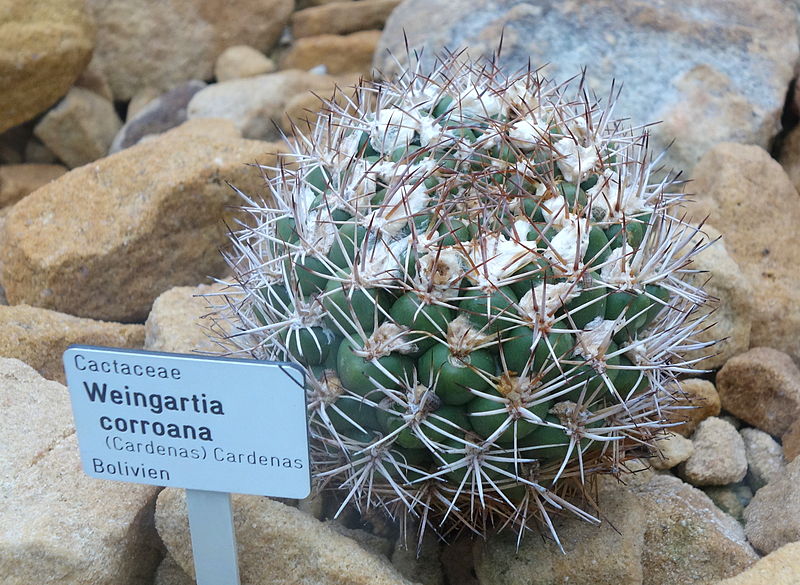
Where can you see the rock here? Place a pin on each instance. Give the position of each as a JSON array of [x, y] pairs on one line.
[[57, 525], [718, 457], [732, 88], [764, 458], [170, 573], [791, 441], [700, 400], [659, 532], [302, 110], [80, 128], [143, 97], [277, 543], [17, 181], [339, 54], [603, 555], [458, 561], [672, 449], [730, 321], [39, 337], [421, 565], [256, 104], [780, 567], [773, 517], [140, 222], [341, 18], [790, 156], [176, 323], [159, 115], [141, 44], [761, 387], [93, 79], [756, 207], [731, 499], [372, 543], [36, 152], [687, 539], [242, 61], [44, 46]]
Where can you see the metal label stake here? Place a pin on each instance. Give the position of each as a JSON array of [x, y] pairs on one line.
[[213, 537]]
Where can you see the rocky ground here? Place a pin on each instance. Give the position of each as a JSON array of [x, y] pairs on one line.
[[121, 125]]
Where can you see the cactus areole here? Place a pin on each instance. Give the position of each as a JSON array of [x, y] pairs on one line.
[[486, 286]]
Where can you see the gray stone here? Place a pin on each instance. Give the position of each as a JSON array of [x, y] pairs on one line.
[[764, 458], [718, 457], [159, 115], [731, 499], [80, 128], [256, 104], [773, 517], [711, 71]]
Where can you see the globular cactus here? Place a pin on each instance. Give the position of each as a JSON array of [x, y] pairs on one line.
[[485, 286]]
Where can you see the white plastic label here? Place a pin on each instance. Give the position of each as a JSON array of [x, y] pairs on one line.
[[204, 423]]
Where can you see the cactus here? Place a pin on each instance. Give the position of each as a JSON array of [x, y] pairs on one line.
[[485, 286]]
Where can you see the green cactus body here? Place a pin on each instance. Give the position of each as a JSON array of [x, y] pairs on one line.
[[485, 287]]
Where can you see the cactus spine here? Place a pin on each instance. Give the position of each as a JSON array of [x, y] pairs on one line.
[[485, 286]]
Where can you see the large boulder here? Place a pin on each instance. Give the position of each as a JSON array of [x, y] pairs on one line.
[[659, 531], [772, 519], [57, 525], [711, 71], [141, 43], [44, 46], [751, 200], [39, 337], [277, 544], [106, 239]]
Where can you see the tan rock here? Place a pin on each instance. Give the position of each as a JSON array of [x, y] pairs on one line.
[[423, 565], [17, 181], [302, 110], [761, 387], [176, 323], [36, 152], [339, 54], [773, 517], [687, 539], [277, 543], [764, 458], [145, 44], [80, 128], [730, 323], [242, 61], [139, 222], [170, 573], [142, 97], [341, 18], [731, 499], [671, 450], [44, 46], [718, 457], [790, 156], [699, 401], [255, 104], [780, 567], [57, 525], [93, 79], [791, 441], [659, 532], [604, 555], [39, 337], [754, 204]]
